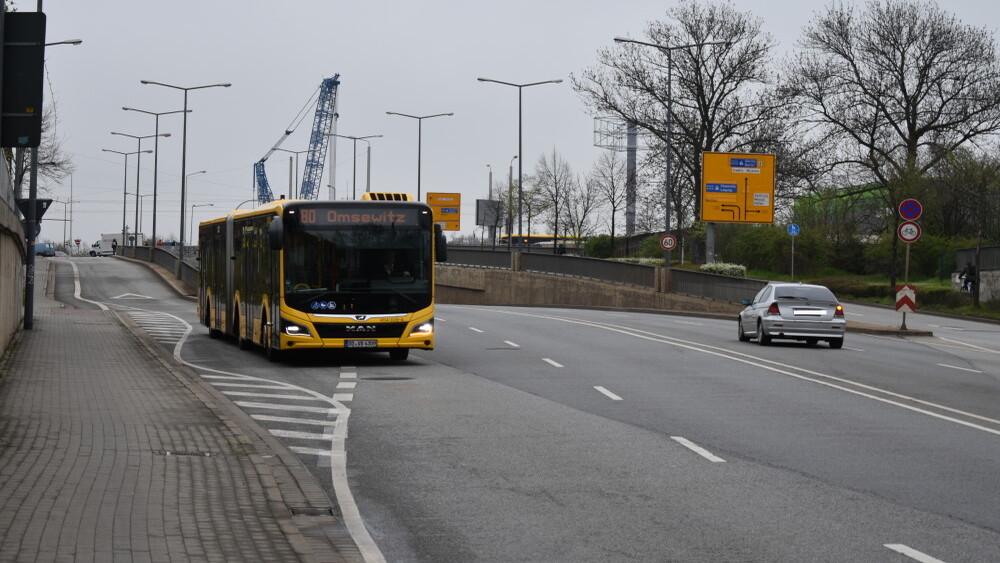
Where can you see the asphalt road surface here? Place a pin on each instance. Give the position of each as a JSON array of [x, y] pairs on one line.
[[571, 435]]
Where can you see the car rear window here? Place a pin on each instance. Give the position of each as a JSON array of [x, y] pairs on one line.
[[804, 292]]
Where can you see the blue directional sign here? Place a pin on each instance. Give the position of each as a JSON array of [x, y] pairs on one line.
[[793, 229]]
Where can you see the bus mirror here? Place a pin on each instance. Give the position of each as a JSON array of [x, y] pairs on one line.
[[440, 245], [276, 233]]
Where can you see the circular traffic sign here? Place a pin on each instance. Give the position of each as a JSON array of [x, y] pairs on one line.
[[908, 231], [794, 229], [910, 209], [668, 242]]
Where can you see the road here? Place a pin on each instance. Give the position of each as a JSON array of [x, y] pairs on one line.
[[572, 435]]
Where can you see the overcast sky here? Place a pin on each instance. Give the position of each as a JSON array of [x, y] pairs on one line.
[[413, 57]]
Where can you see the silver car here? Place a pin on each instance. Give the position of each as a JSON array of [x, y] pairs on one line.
[[793, 311]]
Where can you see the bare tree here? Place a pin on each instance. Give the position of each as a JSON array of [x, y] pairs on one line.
[[608, 178], [53, 164], [893, 90], [720, 99], [554, 180], [582, 202]]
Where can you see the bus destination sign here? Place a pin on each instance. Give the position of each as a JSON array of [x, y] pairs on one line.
[[319, 217]]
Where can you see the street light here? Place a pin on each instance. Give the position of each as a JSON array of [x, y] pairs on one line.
[[184, 148], [420, 121], [125, 185], [520, 160], [193, 205], [138, 225], [294, 195], [139, 139], [355, 180], [186, 179], [668, 50], [156, 154]]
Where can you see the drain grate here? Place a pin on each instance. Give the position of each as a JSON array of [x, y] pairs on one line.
[[310, 511], [185, 453]]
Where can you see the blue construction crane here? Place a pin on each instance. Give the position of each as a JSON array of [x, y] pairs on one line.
[[323, 123]]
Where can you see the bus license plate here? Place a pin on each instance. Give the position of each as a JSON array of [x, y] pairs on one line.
[[360, 343]]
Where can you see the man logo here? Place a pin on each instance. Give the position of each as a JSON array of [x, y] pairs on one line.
[[360, 317], [358, 329]]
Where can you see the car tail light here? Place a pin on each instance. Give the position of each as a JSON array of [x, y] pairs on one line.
[[773, 309], [839, 311]]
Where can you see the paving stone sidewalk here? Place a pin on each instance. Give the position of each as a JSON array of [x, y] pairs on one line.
[[109, 453]]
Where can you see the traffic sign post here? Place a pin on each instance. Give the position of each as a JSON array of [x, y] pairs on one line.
[[793, 231], [909, 232]]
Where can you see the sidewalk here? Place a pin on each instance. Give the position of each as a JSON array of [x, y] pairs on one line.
[[109, 452]]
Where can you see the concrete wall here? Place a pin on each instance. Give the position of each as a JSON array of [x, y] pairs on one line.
[[467, 285], [12, 259]]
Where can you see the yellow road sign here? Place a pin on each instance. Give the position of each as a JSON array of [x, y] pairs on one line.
[[447, 208], [737, 187]]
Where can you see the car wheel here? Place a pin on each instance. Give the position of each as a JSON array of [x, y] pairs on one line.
[[762, 338], [811, 341], [740, 333], [836, 343]]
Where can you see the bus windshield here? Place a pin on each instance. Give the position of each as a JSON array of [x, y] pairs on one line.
[[338, 270]]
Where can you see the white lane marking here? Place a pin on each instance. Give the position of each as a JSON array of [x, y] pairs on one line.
[[271, 396], [292, 420], [698, 449], [298, 435], [688, 323], [966, 344], [347, 385], [960, 368], [854, 349], [349, 375], [511, 344], [343, 396], [313, 451], [249, 385], [912, 553], [296, 408], [778, 367], [229, 377], [553, 363], [474, 329], [609, 394]]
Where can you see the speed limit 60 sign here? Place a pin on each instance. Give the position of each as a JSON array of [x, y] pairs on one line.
[[908, 231], [668, 242]]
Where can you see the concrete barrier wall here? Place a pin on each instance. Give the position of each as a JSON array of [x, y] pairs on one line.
[[467, 285], [12, 259]]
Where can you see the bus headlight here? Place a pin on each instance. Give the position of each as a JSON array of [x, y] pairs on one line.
[[292, 329], [423, 330]]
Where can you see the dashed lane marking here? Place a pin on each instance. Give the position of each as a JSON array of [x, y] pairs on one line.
[[912, 553], [607, 393], [553, 363], [698, 449]]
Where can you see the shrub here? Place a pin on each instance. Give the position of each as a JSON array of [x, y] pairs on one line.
[[733, 270], [598, 247]]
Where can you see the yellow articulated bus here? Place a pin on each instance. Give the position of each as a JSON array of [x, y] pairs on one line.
[[306, 275]]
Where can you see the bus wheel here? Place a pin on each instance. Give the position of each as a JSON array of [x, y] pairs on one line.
[[243, 343], [399, 353], [212, 331]]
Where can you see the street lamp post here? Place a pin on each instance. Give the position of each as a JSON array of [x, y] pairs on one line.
[[125, 185], [294, 195], [355, 148], [668, 50], [520, 160], [138, 225], [193, 205], [139, 139], [186, 180], [156, 155], [184, 149], [420, 121]]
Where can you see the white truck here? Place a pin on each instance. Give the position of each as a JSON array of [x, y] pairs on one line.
[[105, 246]]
